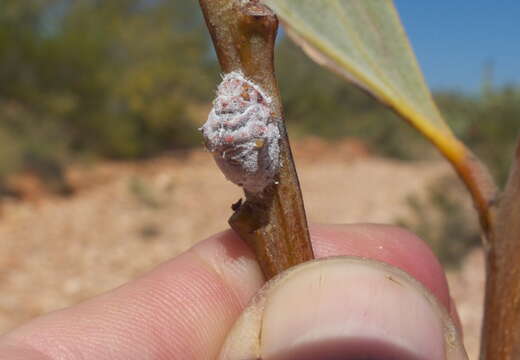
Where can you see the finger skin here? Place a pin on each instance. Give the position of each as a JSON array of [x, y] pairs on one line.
[[181, 310], [184, 308], [393, 245]]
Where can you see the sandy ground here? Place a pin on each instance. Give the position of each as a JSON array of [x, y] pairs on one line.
[[127, 218]]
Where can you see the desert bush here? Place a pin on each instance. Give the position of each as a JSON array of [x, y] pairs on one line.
[[124, 79], [445, 219], [107, 78]]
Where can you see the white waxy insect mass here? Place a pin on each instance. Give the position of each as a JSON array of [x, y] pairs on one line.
[[242, 134]]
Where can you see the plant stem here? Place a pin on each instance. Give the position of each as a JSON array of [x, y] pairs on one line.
[[273, 222], [481, 186], [501, 328]]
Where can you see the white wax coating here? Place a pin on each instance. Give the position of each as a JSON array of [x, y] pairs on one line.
[[242, 134]]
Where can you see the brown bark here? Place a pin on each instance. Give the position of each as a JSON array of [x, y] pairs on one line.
[[273, 222], [501, 329]]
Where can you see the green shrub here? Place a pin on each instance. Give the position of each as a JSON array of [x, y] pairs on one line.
[[445, 220], [121, 79]]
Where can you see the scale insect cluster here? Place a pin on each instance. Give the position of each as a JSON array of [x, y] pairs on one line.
[[243, 134]]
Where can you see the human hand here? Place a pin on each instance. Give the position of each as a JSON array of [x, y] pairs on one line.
[[185, 308]]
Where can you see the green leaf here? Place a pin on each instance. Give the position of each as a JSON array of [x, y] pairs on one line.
[[364, 41]]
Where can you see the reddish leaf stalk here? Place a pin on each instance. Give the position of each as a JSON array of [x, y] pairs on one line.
[[482, 188]]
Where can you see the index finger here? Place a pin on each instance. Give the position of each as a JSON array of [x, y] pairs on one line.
[[185, 307]]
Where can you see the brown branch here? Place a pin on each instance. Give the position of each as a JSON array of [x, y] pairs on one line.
[[273, 222], [501, 328]]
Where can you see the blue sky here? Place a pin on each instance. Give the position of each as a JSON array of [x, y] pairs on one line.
[[454, 39]]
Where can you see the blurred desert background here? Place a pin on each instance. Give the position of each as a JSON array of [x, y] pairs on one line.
[[103, 175]]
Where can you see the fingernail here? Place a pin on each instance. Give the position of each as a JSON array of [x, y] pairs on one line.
[[347, 308]]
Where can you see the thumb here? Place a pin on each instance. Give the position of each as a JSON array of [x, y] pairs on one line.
[[344, 308]]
